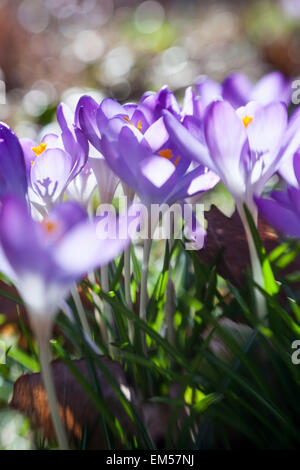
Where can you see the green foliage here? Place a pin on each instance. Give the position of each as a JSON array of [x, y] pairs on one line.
[[227, 381]]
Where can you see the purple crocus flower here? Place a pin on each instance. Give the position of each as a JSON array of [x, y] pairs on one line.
[[238, 90], [12, 166], [55, 162], [44, 259], [283, 209], [136, 146], [291, 159], [93, 117], [245, 147]]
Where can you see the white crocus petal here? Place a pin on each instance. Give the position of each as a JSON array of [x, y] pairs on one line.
[[81, 188], [157, 170], [41, 298], [107, 181], [50, 173]]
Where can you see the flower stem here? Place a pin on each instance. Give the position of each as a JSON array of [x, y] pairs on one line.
[[69, 314], [255, 263], [44, 357], [170, 304], [107, 311], [97, 302], [80, 310], [127, 278], [143, 290]]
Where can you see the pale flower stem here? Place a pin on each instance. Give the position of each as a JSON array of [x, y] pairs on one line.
[[69, 314], [127, 277], [107, 311], [97, 302], [143, 290], [255, 264], [95, 297], [170, 304], [80, 310], [44, 357]]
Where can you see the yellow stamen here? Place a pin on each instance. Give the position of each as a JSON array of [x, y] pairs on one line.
[[32, 162], [167, 153], [176, 161], [40, 149], [49, 226], [139, 124], [247, 120]]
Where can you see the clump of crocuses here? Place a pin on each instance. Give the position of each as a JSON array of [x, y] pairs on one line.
[[161, 152]]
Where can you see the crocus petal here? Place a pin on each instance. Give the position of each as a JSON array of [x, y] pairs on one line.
[[286, 170], [131, 150], [52, 141], [21, 238], [208, 90], [29, 155], [188, 102], [167, 100], [226, 139], [188, 146], [290, 145], [280, 217], [236, 89], [265, 134], [157, 135], [108, 109], [107, 181], [50, 174], [294, 197], [74, 141], [86, 110], [195, 126], [157, 170], [130, 109], [117, 164], [139, 120], [149, 107], [266, 130], [272, 87], [94, 250], [68, 214], [282, 198], [81, 188], [202, 183], [12, 164], [296, 166]]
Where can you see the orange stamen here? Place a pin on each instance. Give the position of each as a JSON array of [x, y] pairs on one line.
[[40, 149], [247, 120]]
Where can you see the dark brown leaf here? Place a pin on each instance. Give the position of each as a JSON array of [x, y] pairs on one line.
[[228, 234], [76, 409]]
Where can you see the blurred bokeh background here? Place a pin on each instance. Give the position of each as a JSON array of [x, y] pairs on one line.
[[59, 49]]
